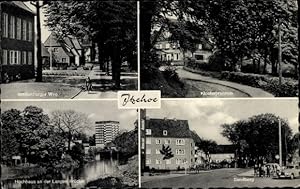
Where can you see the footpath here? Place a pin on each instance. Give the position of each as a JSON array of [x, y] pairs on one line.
[[187, 73], [102, 84]]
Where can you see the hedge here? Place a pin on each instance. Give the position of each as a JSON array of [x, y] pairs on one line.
[[288, 88]]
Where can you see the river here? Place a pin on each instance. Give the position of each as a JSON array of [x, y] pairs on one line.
[[74, 179]]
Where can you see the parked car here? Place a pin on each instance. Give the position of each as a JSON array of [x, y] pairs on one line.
[[291, 171]]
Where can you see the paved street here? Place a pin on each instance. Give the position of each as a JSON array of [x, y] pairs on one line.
[[204, 86], [68, 86], [217, 178]]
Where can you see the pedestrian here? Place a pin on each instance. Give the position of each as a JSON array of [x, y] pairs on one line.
[[255, 170], [88, 84], [268, 171], [264, 171], [260, 170]]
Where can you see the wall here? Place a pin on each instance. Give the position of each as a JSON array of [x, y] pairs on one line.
[[189, 148]]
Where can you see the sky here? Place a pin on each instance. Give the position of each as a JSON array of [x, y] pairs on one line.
[[206, 116], [95, 110]]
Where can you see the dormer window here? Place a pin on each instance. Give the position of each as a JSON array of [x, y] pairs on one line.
[[148, 131], [165, 132]]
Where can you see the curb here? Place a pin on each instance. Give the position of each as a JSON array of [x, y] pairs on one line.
[[76, 94]]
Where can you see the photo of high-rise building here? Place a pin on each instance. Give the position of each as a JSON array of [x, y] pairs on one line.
[[106, 131]]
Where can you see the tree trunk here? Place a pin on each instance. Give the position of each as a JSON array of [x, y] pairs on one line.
[[258, 65], [265, 63], [69, 141], [254, 65], [116, 66], [101, 55], [147, 11], [39, 70], [298, 2]]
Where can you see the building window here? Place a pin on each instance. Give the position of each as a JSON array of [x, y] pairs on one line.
[[180, 152], [143, 124], [180, 142], [12, 27], [29, 58], [158, 161], [63, 60], [158, 141], [5, 25], [178, 161], [29, 31], [148, 151], [167, 45], [11, 57], [19, 28], [168, 161], [165, 132], [199, 57], [24, 57], [4, 57], [18, 55], [167, 141], [148, 140], [143, 143], [148, 161], [24, 30], [148, 131], [55, 50], [200, 46], [157, 151]]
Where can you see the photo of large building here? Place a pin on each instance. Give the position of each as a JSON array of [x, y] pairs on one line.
[[17, 41], [106, 131], [170, 133]]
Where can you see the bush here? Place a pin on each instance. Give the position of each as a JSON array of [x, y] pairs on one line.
[[289, 87]]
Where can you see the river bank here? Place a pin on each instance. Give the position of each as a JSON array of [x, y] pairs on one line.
[[125, 176]]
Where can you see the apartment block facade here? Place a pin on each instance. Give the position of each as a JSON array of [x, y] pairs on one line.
[[168, 132], [17, 41], [106, 131]]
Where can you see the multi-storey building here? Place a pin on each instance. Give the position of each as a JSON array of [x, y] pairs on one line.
[[106, 131], [17, 41], [172, 133]]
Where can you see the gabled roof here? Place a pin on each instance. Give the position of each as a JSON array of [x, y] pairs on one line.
[[174, 128], [52, 40], [45, 52], [20, 4], [65, 42]]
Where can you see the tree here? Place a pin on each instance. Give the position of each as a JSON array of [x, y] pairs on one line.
[[77, 153], [110, 24], [10, 121], [29, 135], [127, 143], [167, 153], [39, 76], [70, 123], [257, 137]]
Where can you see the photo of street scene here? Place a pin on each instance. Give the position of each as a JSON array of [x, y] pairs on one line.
[[215, 48], [68, 144], [220, 143], [68, 49]]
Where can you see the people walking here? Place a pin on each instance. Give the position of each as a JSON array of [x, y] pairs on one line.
[[88, 84]]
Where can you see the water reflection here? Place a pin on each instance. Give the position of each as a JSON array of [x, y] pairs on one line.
[[74, 179]]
